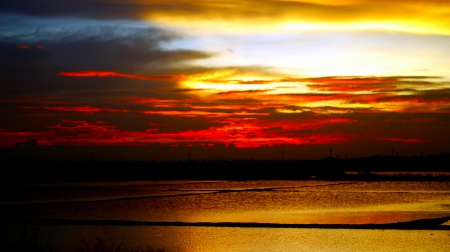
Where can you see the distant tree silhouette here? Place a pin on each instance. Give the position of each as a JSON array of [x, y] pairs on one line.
[[31, 143]]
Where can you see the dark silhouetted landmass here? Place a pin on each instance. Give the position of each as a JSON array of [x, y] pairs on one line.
[[37, 170], [421, 224]]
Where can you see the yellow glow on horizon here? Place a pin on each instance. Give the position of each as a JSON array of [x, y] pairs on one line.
[[336, 104], [229, 80], [273, 88], [242, 27], [398, 26], [224, 81]]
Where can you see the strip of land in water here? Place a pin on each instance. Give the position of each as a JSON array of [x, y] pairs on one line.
[[422, 224]]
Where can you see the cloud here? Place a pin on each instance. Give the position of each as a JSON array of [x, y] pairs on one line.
[[110, 48], [103, 74], [82, 8], [440, 96], [205, 114], [429, 16], [332, 94], [403, 140], [244, 92], [82, 109], [245, 134], [342, 84], [127, 52]]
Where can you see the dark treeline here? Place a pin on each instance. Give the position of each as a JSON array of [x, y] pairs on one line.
[[36, 170]]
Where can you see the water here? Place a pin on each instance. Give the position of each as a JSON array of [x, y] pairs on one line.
[[287, 202]]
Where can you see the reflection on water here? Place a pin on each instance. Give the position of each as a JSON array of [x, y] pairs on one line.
[[302, 202], [291, 202], [206, 239], [414, 173]]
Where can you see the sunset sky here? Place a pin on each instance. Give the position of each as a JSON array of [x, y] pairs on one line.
[[238, 77]]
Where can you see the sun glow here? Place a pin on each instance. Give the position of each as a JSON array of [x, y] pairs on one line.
[[272, 88], [397, 26]]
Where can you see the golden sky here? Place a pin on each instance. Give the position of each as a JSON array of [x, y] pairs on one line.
[[422, 17]]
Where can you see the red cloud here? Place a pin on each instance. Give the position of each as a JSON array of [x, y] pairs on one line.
[[28, 47], [103, 74], [161, 103], [415, 99], [353, 84], [351, 87], [404, 140], [202, 113], [82, 109], [240, 131]]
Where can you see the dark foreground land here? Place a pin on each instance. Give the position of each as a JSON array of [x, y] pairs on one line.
[[421, 224], [43, 171]]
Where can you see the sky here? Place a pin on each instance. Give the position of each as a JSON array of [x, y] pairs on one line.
[[235, 79]]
